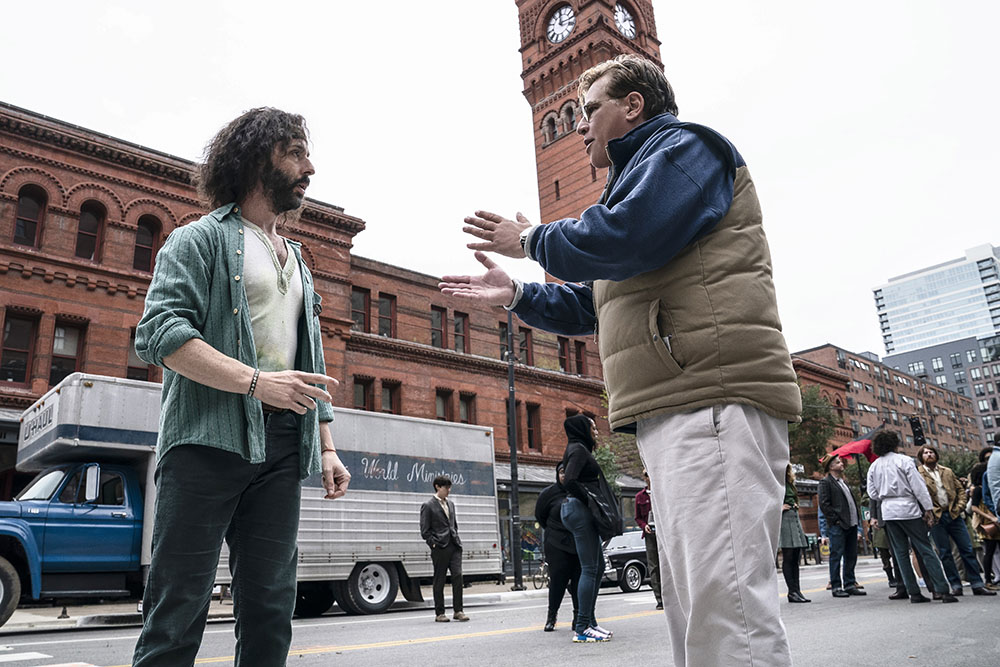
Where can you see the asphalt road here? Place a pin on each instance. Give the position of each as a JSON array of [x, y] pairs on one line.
[[869, 630]]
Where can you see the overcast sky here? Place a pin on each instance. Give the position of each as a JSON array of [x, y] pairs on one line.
[[868, 126]]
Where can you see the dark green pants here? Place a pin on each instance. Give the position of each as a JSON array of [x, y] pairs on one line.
[[205, 495]]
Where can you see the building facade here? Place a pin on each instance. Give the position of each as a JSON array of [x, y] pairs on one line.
[[970, 367], [879, 394], [82, 216], [943, 303]]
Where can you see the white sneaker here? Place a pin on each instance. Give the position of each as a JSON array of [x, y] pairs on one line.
[[609, 633], [589, 636]]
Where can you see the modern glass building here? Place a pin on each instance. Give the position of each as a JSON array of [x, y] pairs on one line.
[[942, 303]]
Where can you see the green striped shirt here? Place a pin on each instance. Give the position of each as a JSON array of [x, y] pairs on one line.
[[197, 292]]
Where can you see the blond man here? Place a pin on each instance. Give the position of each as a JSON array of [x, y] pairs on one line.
[[674, 265]]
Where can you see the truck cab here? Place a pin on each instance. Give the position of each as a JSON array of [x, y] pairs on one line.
[[74, 531]]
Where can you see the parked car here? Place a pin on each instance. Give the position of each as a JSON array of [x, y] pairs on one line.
[[625, 561]]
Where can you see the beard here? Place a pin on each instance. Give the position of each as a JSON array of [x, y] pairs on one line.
[[280, 189]]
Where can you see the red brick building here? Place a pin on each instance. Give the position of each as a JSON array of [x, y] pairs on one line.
[[82, 215], [833, 385], [878, 394]]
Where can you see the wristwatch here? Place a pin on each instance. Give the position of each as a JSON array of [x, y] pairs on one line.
[[524, 242]]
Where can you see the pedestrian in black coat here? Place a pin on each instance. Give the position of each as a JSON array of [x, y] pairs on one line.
[[559, 548]]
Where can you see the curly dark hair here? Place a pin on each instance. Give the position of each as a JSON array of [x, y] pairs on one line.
[[885, 442], [237, 157]]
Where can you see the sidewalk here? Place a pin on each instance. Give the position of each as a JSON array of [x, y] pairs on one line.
[[126, 614]]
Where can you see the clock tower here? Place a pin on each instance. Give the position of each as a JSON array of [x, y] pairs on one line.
[[560, 39]]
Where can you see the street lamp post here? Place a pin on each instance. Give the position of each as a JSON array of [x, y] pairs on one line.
[[515, 515]]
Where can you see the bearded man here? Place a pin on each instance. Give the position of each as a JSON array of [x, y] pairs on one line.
[[232, 316]]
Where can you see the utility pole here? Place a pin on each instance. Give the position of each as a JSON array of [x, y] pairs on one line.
[[515, 510]]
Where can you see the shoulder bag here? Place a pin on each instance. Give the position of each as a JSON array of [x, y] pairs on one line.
[[604, 505]]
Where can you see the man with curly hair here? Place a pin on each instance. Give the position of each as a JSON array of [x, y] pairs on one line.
[[233, 318], [901, 503]]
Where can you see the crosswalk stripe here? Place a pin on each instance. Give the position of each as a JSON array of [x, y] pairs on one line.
[[14, 657]]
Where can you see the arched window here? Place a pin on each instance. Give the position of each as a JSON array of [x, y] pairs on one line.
[[549, 129], [31, 202], [146, 238], [88, 235], [569, 117]]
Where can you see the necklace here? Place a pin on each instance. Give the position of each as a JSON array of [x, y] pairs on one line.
[[284, 272]]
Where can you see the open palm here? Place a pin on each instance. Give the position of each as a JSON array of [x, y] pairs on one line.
[[494, 288]]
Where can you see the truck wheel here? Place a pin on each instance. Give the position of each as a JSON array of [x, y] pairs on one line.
[[313, 599], [631, 579], [340, 594], [371, 588], [10, 590]]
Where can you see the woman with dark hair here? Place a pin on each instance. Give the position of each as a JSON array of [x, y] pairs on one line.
[[582, 471], [982, 519], [791, 539], [560, 548]]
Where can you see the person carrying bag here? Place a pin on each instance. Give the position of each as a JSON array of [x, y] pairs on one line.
[[586, 500]]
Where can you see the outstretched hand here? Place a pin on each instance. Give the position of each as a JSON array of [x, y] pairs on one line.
[[501, 235], [493, 288]]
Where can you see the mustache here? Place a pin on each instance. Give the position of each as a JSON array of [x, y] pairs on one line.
[[302, 181]]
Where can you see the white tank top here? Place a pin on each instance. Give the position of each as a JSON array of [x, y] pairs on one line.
[[275, 296]]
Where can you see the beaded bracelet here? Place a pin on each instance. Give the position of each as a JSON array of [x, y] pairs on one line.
[[253, 383]]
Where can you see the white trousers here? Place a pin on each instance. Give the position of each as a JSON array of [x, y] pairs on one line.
[[717, 479]]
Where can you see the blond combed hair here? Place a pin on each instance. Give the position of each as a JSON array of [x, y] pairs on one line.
[[628, 73]]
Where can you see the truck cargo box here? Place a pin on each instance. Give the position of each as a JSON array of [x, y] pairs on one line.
[[90, 417]]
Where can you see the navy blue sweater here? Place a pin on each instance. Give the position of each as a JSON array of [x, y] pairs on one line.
[[670, 183]]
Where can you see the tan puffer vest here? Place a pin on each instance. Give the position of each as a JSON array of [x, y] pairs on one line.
[[702, 330]]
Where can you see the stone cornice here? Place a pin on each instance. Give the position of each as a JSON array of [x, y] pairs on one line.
[[819, 369], [292, 232], [331, 277], [398, 273], [94, 145], [89, 281], [17, 400], [338, 219], [395, 348], [97, 146], [172, 196]]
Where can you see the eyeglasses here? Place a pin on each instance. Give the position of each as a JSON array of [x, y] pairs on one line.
[[590, 108]]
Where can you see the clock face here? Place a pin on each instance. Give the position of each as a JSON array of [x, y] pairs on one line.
[[624, 21], [561, 24]]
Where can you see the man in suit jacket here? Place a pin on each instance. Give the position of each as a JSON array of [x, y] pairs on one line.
[[439, 528], [840, 508]]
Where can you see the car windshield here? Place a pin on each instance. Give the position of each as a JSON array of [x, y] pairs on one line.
[[626, 541], [43, 486]]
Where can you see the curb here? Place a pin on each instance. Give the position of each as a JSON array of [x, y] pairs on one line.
[[134, 619]]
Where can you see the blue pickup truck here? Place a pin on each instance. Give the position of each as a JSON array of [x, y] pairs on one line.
[[75, 531], [78, 529]]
